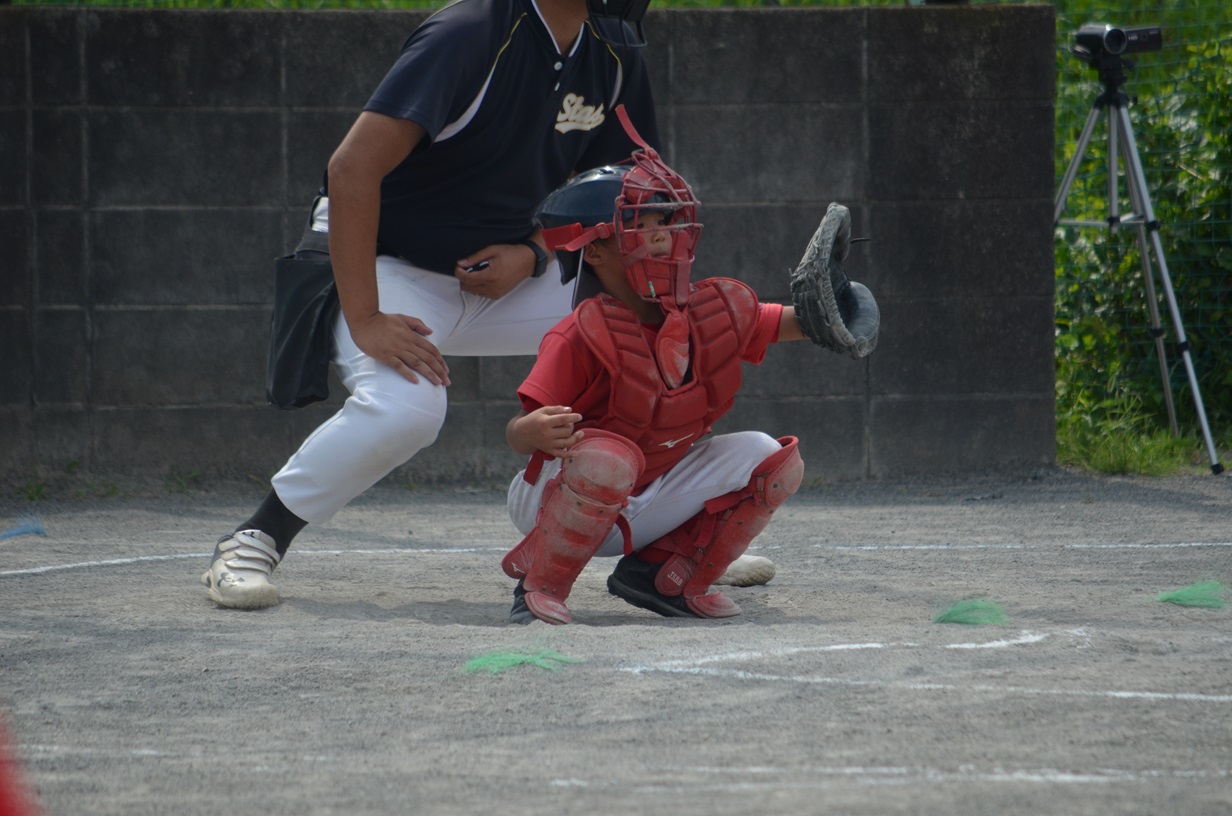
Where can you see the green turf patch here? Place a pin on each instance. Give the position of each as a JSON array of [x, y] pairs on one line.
[[973, 613], [503, 660], [1206, 594]]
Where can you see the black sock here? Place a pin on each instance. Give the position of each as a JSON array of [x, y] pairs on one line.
[[275, 520]]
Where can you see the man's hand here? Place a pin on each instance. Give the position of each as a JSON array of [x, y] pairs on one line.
[[507, 266], [549, 429], [399, 342]]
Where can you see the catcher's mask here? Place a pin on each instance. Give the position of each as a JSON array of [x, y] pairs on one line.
[[619, 22], [613, 201]]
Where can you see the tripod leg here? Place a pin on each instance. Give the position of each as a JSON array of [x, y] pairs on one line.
[[1114, 200], [1072, 172], [1148, 278], [1137, 180]]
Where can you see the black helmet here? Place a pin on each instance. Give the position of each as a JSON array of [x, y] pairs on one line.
[[587, 199]]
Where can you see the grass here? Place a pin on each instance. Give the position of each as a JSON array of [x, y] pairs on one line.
[[1138, 448], [34, 491], [1107, 427]]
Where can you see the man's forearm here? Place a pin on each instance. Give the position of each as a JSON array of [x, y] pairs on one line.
[[353, 218]]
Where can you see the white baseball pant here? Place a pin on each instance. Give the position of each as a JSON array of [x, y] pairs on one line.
[[713, 467], [387, 419]]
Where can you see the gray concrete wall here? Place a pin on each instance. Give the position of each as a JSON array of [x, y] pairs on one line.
[[155, 162]]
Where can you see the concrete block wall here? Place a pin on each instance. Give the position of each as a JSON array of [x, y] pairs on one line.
[[153, 163]]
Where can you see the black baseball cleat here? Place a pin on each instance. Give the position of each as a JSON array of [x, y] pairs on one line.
[[521, 612], [633, 580]]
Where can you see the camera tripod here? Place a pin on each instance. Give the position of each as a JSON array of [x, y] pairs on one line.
[[1115, 104]]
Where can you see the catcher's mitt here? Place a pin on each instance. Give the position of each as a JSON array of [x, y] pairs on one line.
[[834, 311]]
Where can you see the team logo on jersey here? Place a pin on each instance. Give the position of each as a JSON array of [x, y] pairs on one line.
[[575, 114]]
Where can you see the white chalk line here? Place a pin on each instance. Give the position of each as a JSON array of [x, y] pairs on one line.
[[754, 777], [816, 777], [1026, 638], [143, 753], [1179, 545], [1022, 640], [842, 681], [699, 666], [204, 557], [116, 562]]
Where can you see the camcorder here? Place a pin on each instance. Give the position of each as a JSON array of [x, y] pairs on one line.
[[1094, 41]]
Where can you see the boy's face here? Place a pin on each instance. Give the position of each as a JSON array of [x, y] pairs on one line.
[[648, 229], [604, 255]]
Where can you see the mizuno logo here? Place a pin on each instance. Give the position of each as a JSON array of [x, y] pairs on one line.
[[577, 115], [674, 442]]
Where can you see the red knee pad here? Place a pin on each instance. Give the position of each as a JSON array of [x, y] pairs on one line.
[[779, 475], [603, 466]]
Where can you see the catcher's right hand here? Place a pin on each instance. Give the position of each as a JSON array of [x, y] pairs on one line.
[[834, 311]]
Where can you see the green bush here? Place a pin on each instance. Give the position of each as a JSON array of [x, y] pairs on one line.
[[1108, 371]]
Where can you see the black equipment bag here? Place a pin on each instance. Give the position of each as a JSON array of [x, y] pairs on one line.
[[301, 330]]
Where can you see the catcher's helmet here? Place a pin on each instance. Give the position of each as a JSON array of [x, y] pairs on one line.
[[585, 200], [611, 201]]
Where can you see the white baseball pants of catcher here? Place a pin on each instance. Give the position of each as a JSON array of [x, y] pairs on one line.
[[387, 419], [713, 467]]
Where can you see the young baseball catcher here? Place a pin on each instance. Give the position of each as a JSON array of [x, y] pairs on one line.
[[624, 391]]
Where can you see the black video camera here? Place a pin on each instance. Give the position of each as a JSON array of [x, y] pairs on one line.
[[1096, 40]]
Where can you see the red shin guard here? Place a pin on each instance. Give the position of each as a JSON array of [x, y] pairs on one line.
[[701, 549], [579, 508]]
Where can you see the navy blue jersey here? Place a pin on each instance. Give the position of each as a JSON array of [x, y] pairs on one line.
[[508, 119]]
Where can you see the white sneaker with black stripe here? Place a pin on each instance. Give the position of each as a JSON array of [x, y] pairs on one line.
[[238, 577]]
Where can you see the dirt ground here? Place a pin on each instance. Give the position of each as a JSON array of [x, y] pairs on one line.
[[125, 691]]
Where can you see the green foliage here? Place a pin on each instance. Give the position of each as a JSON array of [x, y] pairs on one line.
[[1110, 389], [181, 482], [34, 491], [1113, 435], [1106, 427]]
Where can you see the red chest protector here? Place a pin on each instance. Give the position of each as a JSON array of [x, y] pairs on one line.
[[664, 422]]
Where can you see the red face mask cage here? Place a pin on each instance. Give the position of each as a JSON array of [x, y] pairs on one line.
[[657, 229]]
